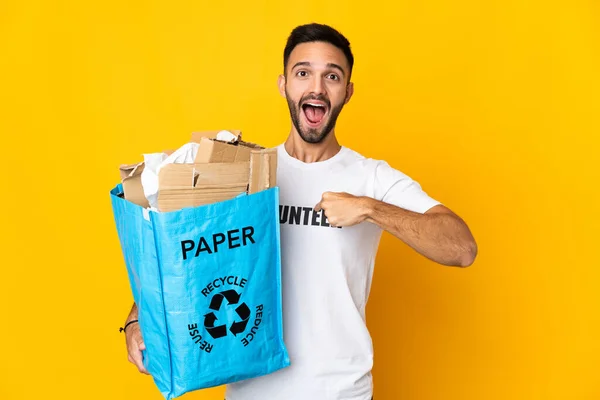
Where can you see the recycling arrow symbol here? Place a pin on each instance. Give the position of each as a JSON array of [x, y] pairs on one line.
[[238, 327], [231, 295], [214, 331], [242, 311]]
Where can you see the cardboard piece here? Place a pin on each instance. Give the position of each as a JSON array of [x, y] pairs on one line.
[[184, 176], [192, 185], [213, 151], [263, 170], [131, 179]]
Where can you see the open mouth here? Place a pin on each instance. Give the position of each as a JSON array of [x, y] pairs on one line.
[[314, 112]]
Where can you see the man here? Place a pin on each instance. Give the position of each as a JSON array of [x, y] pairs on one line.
[[335, 204]]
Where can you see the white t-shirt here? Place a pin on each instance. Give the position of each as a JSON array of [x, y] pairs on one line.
[[326, 278]]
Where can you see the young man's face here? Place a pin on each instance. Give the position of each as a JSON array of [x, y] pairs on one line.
[[316, 88]]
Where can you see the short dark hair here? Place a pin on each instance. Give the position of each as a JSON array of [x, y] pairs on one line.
[[317, 33]]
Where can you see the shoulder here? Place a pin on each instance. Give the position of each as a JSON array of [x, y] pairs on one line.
[[376, 166], [354, 157]]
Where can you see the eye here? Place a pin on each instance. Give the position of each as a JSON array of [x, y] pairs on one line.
[[302, 73], [333, 77]]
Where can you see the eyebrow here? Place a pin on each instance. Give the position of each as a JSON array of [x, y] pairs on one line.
[[329, 65]]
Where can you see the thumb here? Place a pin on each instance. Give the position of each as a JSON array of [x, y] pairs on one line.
[[141, 344], [318, 207]]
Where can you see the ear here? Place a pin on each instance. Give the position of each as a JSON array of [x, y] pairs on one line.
[[281, 85], [349, 92]]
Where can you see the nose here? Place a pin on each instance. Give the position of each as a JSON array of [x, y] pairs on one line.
[[317, 85]]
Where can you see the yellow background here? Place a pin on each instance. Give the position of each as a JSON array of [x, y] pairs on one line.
[[492, 106]]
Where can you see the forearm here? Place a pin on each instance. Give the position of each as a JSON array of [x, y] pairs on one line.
[[441, 237], [133, 314]]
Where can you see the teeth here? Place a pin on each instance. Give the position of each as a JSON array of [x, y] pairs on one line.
[[316, 105]]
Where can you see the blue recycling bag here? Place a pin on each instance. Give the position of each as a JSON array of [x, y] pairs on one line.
[[207, 283]]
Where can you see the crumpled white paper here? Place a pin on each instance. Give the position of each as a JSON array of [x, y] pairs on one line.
[[226, 136]]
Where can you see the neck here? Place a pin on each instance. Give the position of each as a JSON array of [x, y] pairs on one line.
[[311, 152]]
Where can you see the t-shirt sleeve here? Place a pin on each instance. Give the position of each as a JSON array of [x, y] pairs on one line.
[[393, 187]]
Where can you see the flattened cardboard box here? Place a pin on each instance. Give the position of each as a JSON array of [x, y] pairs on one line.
[[192, 185]]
